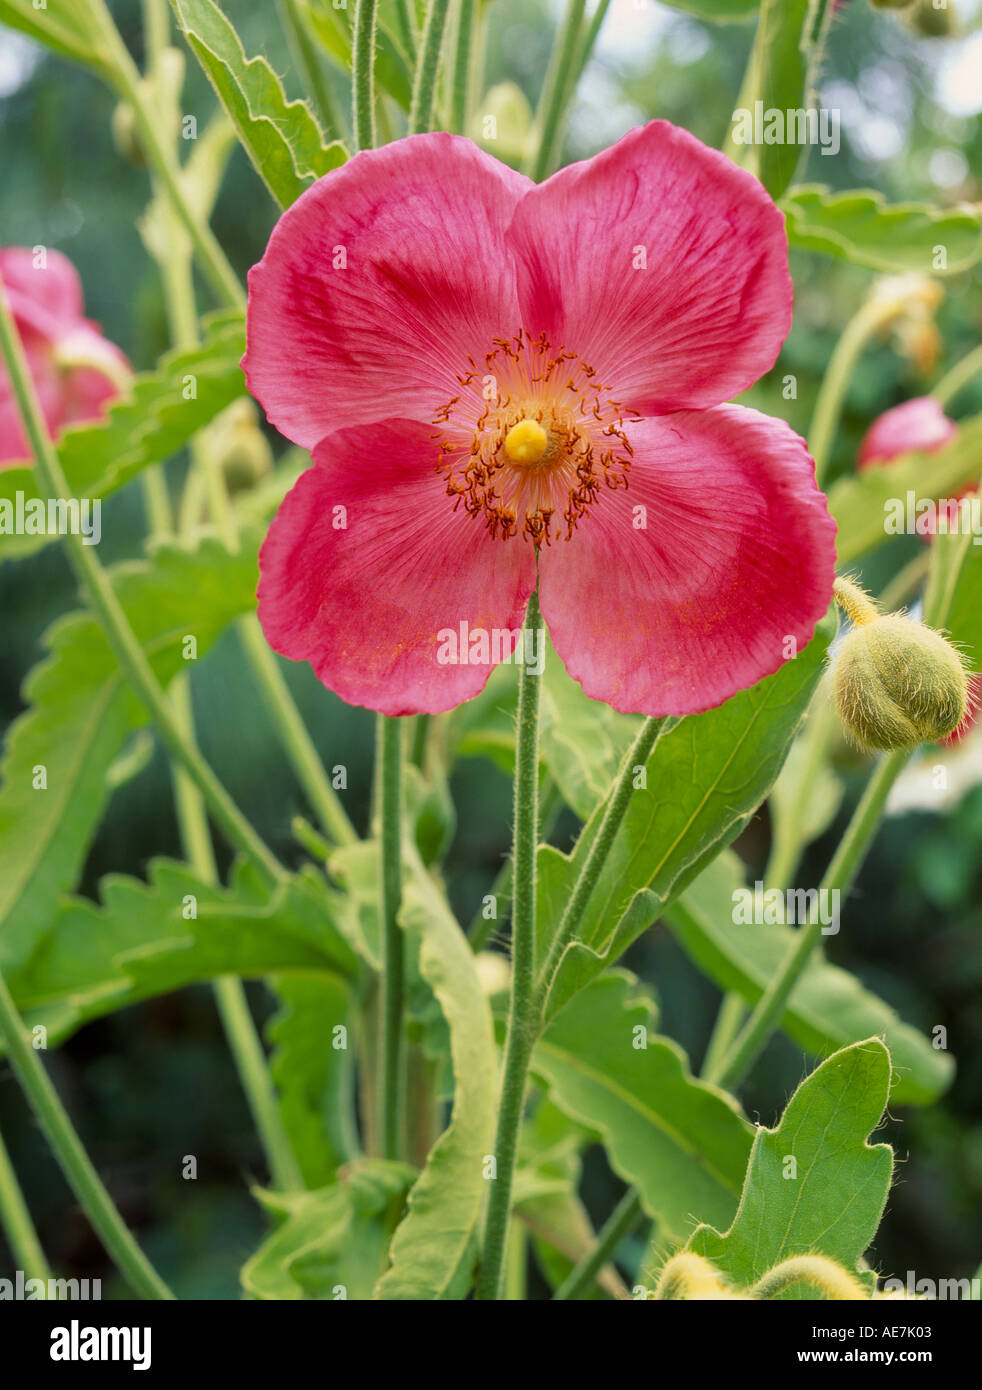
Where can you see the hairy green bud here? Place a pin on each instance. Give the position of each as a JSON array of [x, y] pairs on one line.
[[933, 21], [896, 683]]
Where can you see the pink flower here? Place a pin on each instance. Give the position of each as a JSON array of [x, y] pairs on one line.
[[918, 424], [499, 379], [75, 370]]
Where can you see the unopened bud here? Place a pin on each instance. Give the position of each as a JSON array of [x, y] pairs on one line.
[[896, 683], [243, 450]]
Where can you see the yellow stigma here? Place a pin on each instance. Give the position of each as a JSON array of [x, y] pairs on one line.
[[526, 442]]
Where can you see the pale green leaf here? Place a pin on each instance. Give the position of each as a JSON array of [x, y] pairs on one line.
[[282, 138], [862, 227], [434, 1250], [828, 1008], [67, 27], [813, 1185], [704, 779], [81, 715], [682, 1143], [329, 1244]]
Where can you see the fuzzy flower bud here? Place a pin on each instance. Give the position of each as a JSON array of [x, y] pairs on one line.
[[896, 683]]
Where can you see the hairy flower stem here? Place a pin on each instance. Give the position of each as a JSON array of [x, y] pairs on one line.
[[839, 877], [389, 745], [616, 808], [461, 67], [427, 63], [75, 1163], [522, 1015], [106, 604], [17, 1226], [363, 74], [556, 90], [621, 1222]]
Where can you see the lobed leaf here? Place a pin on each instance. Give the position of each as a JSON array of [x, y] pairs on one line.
[[814, 1185], [682, 1143], [81, 714], [863, 228]]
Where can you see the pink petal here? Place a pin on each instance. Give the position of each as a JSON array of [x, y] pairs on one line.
[[737, 557], [49, 295], [708, 315], [918, 424], [421, 224], [14, 448], [366, 605]]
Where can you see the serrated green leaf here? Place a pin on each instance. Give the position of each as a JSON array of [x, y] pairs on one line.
[[704, 779], [434, 1250], [863, 503], [682, 1143], [833, 1202], [147, 939], [863, 228], [313, 1072], [330, 1244], [81, 714], [828, 1008], [154, 419], [281, 138], [66, 27]]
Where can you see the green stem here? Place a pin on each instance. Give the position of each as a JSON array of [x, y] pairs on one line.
[[621, 1222], [293, 734], [556, 90], [872, 315], [363, 74], [789, 837], [156, 31], [839, 878], [522, 1018], [126, 78], [389, 742], [614, 812], [424, 80], [732, 1012], [461, 67], [72, 1158], [959, 375], [407, 28], [104, 600], [15, 1218]]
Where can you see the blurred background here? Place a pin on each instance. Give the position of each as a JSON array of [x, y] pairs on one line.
[[151, 1084]]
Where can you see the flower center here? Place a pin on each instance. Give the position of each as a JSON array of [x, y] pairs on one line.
[[533, 437], [526, 442]]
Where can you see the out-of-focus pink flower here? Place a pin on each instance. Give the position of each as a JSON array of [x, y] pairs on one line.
[[919, 424], [75, 370], [503, 383]]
